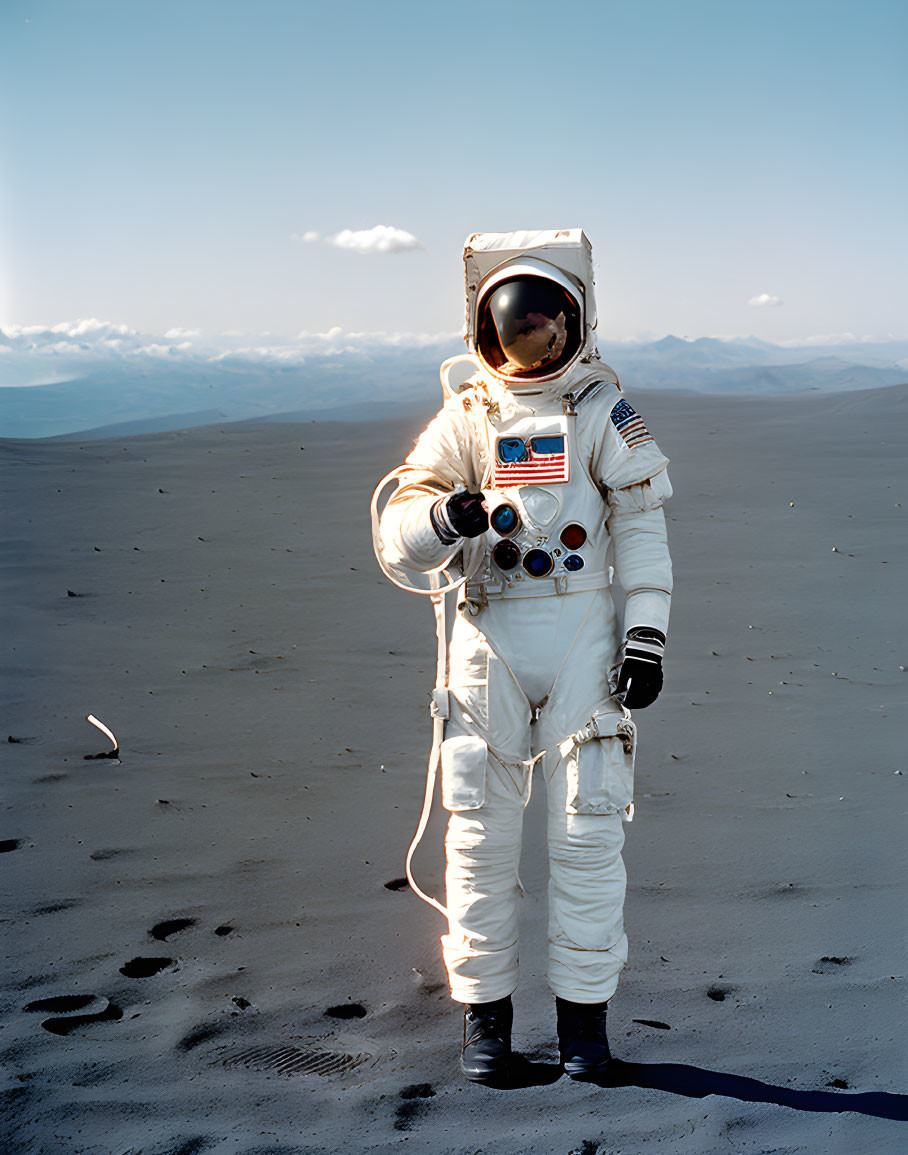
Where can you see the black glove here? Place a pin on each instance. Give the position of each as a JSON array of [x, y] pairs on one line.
[[640, 675], [460, 515]]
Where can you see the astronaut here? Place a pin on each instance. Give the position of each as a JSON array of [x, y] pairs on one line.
[[536, 484]]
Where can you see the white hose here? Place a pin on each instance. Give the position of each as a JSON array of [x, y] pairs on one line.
[[438, 733], [403, 580], [398, 575]]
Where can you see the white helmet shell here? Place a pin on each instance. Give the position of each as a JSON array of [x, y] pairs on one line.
[[563, 255]]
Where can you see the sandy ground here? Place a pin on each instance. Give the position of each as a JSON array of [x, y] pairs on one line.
[[211, 595]]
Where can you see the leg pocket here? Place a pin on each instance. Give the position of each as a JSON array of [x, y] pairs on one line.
[[464, 762], [600, 776]]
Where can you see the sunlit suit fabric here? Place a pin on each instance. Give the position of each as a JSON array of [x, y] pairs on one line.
[[530, 657]]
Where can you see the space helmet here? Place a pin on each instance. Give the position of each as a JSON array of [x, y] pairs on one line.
[[530, 310]]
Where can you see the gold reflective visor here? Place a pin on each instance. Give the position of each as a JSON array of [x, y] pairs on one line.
[[528, 325]]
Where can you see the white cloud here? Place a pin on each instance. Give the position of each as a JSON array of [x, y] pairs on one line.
[[380, 239], [153, 350], [86, 327], [765, 300], [346, 340], [90, 326], [328, 335], [286, 354], [172, 334], [25, 330], [405, 340]]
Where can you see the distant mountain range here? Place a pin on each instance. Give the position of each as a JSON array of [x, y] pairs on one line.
[[105, 380]]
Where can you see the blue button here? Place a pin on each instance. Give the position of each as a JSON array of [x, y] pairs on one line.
[[538, 563], [505, 520]]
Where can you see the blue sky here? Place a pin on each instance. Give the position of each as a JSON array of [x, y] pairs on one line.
[[159, 158]]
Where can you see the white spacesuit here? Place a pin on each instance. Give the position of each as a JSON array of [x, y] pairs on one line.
[[565, 470]]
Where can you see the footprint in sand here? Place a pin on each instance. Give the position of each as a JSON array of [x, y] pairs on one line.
[[346, 1011], [413, 1105], [54, 907], [161, 930], [829, 964], [144, 968], [69, 1012], [67, 1004], [200, 1034], [284, 1060]]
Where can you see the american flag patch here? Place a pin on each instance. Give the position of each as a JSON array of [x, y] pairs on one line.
[[537, 460], [630, 425]]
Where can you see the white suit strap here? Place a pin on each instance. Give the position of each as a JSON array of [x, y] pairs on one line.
[[440, 711], [588, 389], [570, 401], [603, 724], [481, 593]]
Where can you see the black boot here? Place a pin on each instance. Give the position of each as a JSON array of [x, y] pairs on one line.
[[582, 1041], [486, 1054]]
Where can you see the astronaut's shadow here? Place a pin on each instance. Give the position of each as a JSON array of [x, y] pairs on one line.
[[696, 1083]]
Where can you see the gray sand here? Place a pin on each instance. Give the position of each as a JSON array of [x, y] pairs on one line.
[[268, 689]]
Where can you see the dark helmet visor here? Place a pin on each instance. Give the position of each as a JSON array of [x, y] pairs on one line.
[[528, 326]]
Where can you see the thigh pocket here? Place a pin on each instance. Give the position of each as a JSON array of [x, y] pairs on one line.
[[464, 760], [600, 773]]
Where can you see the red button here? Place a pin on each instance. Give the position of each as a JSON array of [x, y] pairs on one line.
[[573, 536]]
